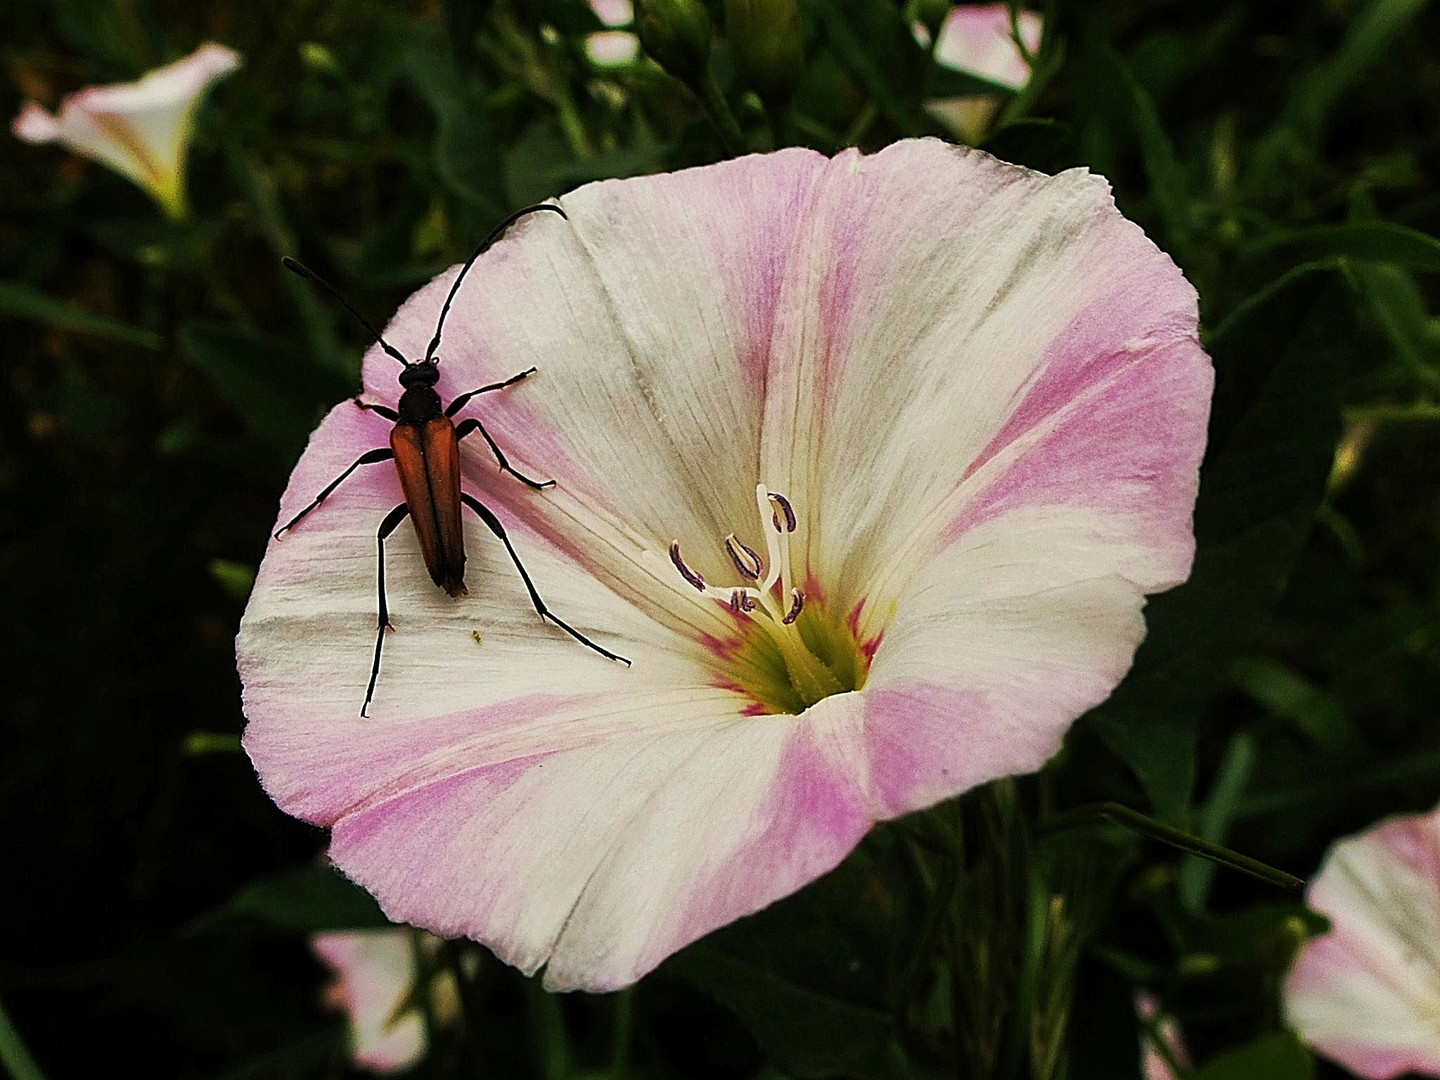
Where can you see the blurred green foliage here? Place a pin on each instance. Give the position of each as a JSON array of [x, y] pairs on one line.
[[161, 378]]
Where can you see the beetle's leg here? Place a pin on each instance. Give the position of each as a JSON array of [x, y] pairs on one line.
[[493, 524], [380, 410], [387, 526], [464, 399], [370, 457], [465, 427]]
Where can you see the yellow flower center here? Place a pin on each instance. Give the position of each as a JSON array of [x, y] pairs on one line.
[[790, 650]]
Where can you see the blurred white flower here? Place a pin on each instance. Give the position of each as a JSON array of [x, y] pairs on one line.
[[140, 129], [608, 48]]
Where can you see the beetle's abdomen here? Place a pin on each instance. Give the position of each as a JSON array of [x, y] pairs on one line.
[[427, 456]]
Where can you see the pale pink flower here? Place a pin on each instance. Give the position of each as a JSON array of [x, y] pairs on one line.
[[376, 972], [1367, 992], [141, 129], [607, 48], [979, 40], [977, 395], [613, 13]]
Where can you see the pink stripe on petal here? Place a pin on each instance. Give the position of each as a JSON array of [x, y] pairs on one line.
[[1133, 451], [322, 780], [928, 742], [813, 817]]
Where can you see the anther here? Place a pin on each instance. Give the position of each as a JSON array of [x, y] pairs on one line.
[[782, 506], [689, 575], [797, 601], [745, 559]]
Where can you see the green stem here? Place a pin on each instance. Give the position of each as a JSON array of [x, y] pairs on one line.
[[716, 108], [1137, 822], [551, 1042], [624, 1031]]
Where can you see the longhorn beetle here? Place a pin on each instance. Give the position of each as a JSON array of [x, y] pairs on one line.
[[425, 446]]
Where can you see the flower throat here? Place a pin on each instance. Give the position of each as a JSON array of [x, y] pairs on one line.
[[790, 652]]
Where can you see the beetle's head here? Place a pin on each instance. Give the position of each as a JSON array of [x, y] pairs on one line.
[[421, 373]]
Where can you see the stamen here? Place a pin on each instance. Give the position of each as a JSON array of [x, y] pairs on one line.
[[744, 558], [689, 575], [797, 601], [782, 506]]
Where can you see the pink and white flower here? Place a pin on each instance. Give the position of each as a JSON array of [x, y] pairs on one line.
[[141, 129], [979, 40], [948, 409], [1367, 992], [376, 972]]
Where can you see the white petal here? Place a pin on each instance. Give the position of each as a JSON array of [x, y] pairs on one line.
[[994, 650], [602, 861]]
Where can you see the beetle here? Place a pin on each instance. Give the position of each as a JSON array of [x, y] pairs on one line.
[[425, 446]]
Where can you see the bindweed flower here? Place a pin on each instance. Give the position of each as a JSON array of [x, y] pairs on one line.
[[141, 129], [1367, 992], [376, 972], [613, 46], [867, 463], [979, 40]]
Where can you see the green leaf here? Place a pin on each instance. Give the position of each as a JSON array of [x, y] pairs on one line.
[[1398, 306], [1273, 428], [873, 42], [309, 900], [27, 303], [1273, 1057], [1166, 176], [1366, 41], [466, 155], [1375, 241]]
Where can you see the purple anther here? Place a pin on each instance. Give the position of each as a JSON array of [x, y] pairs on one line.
[[736, 596], [785, 508], [689, 575], [747, 602], [744, 558], [797, 601]]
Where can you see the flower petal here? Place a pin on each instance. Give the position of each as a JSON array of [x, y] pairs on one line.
[[601, 861], [307, 637], [1017, 629], [1367, 993], [981, 332], [650, 316]]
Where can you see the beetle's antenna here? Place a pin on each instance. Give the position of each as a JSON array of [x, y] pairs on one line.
[[304, 271], [495, 235]]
